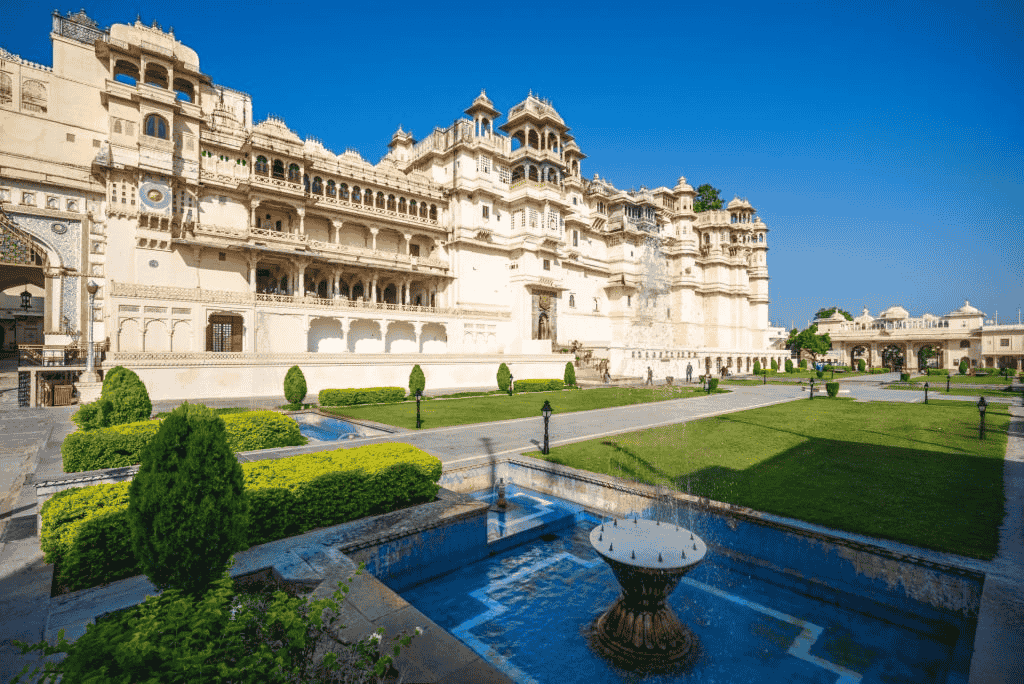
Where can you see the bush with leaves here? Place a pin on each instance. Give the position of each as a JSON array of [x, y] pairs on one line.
[[963, 367], [757, 367], [187, 508], [789, 365], [803, 364], [712, 384], [775, 365], [504, 377], [861, 365], [294, 386], [94, 415], [570, 375], [127, 396], [832, 388], [820, 374], [416, 380], [220, 636]]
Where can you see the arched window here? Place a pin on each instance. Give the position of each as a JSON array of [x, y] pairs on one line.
[[423, 209], [126, 72], [518, 140], [318, 185], [156, 75], [355, 192], [33, 96], [261, 165], [156, 127], [380, 200], [305, 182], [412, 207], [572, 301], [184, 90], [391, 203], [6, 89], [294, 172], [368, 197], [532, 140], [433, 212], [575, 168], [278, 169], [532, 173], [401, 205], [331, 190]]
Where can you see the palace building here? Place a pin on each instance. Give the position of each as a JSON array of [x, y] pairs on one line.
[[226, 251]]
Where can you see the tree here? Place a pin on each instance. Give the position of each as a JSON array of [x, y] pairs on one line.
[[294, 386], [861, 365], [923, 355], [963, 367], [416, 380], [812, 343], [129, 400], [789, 365], [707, 198], [775, 365], [757, 367], [187, 509], [504, 377], [570, 375], [825, 313]]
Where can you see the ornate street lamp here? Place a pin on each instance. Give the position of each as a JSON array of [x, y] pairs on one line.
[[947, 383], [545, 411], [812, 388], [511, 381], [926, 392], [419, 395], [26, 300], [982, 405], [90, 370]]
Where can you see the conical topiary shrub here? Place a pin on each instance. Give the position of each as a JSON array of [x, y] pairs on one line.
[[775, 365], [187, 510], [789, 365], [570, 375], [962, 368], [129, 400], [504, 377], [294, 386], [416, 380], [757, 367]]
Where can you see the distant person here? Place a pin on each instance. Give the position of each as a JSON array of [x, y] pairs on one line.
[[689, 372], [607, 376], [650, 376]]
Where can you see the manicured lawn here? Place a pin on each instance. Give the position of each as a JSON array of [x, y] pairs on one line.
[[965, 379], [443, 413], [956, 391], [908, 472]]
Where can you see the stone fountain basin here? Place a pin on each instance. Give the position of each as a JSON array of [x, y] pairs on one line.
[[639, 543]]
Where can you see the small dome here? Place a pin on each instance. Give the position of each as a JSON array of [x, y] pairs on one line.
[[966, 310], [894, 312], [400, 136], [864, 317], [736, 203], [836, 316], [683, 186]]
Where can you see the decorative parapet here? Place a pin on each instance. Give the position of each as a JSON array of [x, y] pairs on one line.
[[187, 294], [713, 218]]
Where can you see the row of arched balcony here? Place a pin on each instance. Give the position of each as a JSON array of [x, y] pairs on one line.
[[156, 75]]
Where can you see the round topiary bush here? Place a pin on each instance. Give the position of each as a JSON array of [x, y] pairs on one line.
[[832, 388], [775, 365], [294, 386], [789, 365], [861, 365], [820, 374], [757, 367], [905, 377], [416, 380], [963, 367], [504, 377], [712, 384], [803, 364], [187, 510], [127, 395], [570, 375]]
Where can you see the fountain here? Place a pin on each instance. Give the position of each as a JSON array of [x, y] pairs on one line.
[[501, 504], [640, 631]]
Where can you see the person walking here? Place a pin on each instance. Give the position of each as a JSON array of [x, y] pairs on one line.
[[689, 372], [650, 376]]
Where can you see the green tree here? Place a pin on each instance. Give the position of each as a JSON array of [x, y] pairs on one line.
[[812, 343], [757, 367], [825, 313], [570, 375], [294, 386], [775, 365], [923, 356], [129, 400], [416, 380], [861, 365], [963, 366], [187, 509], [707, 198], [504, 377], [789, 365]]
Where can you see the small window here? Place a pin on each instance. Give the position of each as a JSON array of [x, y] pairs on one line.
[[965, 344], [71, 137], [52, 203], [547, 264], [1004, 342], [629, 300], [486, 212], [575, 238], [6, 89], [33, 96], [156, 127], [597, 304], [414, 250], [572, 301], [222, 256]]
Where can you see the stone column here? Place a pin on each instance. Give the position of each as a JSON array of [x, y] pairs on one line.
[[405, 291], [418, 325], [301, 211], [197, 253], [336, 232], [300, 278], [253, 204], [373, 237], [53, 292], [252, 260], [383, 324], [408, 239], [345, 324]]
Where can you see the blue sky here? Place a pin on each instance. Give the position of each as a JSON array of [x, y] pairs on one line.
[[881, 142]]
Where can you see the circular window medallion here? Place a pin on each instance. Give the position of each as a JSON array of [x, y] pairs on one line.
[[154, 195], [59, 228], [153, 263]]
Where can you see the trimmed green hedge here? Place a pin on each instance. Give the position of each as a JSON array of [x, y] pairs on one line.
[[363, 395], [832, 388], [119, 446], [85, 531], [538, 385], [712, 384], [938, 371], [904, 377]]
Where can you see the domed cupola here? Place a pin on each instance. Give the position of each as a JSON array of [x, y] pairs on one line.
[[483, 113]]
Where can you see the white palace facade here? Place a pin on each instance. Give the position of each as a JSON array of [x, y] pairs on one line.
[[226, 251]]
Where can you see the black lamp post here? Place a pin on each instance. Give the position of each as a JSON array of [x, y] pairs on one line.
[[926, 392], [764, 377], [511, 380], [812, 388], [545, 411], [26, 300], [947, 383], [982, 405], [419, 395]]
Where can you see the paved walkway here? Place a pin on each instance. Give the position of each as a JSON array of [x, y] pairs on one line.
[[31, 444]]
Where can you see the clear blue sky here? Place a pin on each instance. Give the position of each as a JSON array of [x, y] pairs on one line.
[[881, 142]]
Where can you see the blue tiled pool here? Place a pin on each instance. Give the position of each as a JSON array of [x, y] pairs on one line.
[[527, 610], [324, 429]]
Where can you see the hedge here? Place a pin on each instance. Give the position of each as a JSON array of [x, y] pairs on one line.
[[832, 388], [119, 446], [712, 384], [904, 377], [85, 530], [938, 371], [363, 395], [538, 385]]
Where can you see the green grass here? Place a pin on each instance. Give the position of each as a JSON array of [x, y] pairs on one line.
[[503, 407], [964, 380], [909, 472], [957, 391]]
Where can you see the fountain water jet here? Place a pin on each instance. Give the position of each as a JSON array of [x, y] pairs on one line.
[[640, 631]]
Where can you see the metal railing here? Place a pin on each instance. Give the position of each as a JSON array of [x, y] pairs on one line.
[[59, 356]]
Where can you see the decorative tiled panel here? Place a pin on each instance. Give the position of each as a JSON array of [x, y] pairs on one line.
[[69, 300], [63, 237]]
